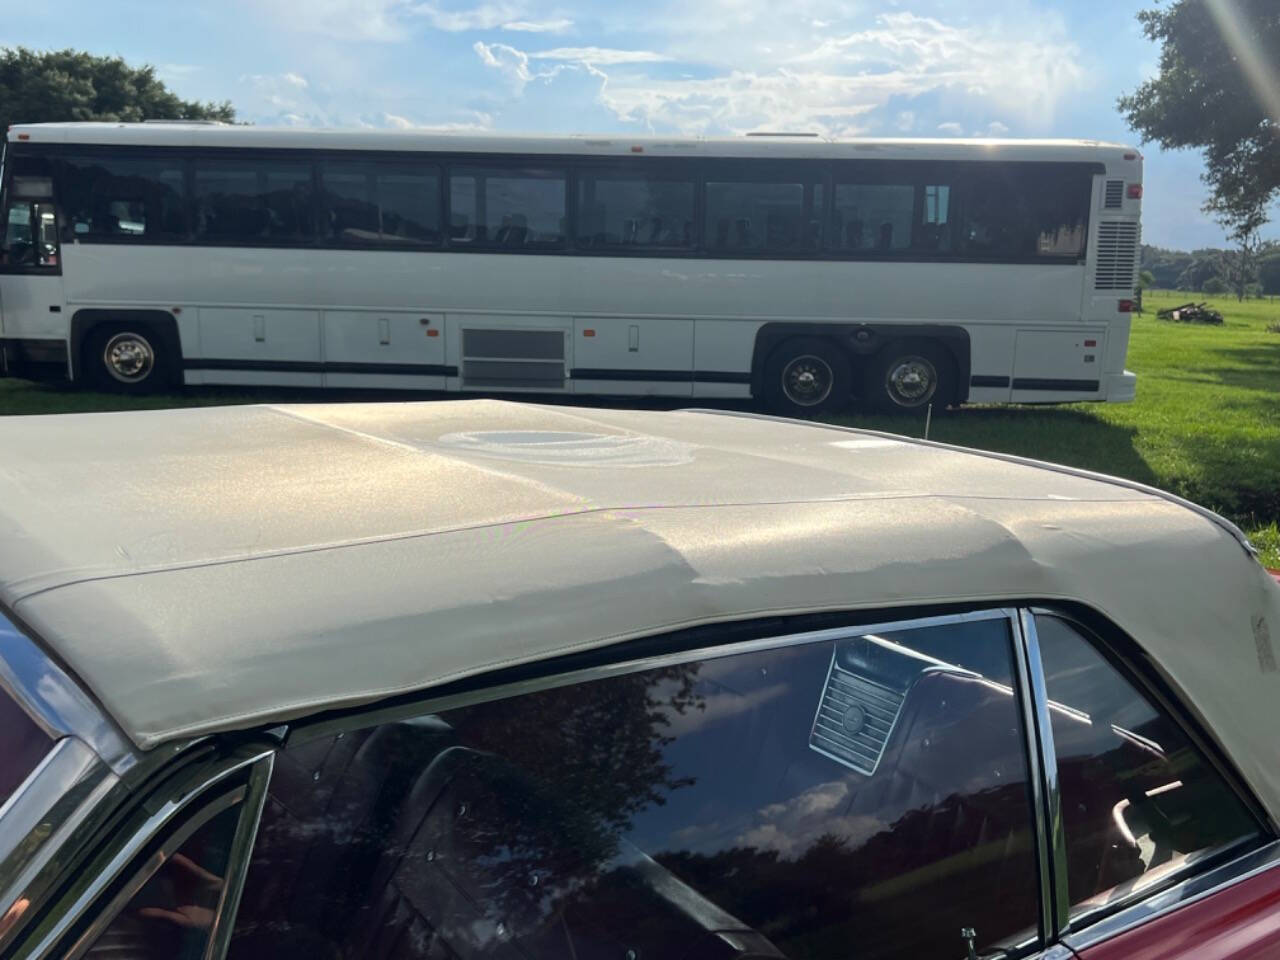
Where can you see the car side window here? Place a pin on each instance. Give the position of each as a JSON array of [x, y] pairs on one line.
[[1139, 801], [863, 796], [171, 914]]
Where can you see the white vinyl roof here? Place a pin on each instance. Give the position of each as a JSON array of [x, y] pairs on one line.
[[210, 569], [166, 134]]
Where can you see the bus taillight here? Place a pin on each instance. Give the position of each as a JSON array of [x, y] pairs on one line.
[[1135, 191], [1125, 306]]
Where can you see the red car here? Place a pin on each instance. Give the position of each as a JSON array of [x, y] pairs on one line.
[[479, 679]]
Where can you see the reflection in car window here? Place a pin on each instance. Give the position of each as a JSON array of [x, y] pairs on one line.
[[864, 796], [22, 746], [171, 916], [1138, 800]]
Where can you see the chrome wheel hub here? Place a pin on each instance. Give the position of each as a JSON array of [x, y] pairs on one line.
[[911, 381], [129, 357], [807, 380]]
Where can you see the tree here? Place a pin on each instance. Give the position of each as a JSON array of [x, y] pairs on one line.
[[1214, 285], [1269, 273], [1217, 89], [73, 85]]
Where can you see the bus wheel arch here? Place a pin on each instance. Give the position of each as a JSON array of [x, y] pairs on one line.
[[130, 351]]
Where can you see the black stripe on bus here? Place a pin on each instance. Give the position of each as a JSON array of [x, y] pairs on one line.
[[665, 376], [984, 381], [1062, 386], [313, 366]]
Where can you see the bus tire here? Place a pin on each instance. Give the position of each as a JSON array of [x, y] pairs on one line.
[[908, 376], [806, 376], [126, 358]]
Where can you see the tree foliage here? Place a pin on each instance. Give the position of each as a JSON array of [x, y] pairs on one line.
[[1216, 90], [60, 85]]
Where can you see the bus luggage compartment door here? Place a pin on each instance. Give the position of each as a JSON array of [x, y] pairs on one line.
[[1051, 366]]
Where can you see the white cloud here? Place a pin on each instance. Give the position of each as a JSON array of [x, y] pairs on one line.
[[603, 56], [792, 827], [486, 16], [829, 83], [294, 80], [997, 129], [951, 129], [538, 26], [397, 122]]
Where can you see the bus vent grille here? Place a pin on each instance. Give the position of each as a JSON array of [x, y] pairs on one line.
[[1117, 255], [855, 718], [532, 359], [1114, 197]]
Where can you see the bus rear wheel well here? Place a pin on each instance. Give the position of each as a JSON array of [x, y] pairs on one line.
[[861, 342], [161, 323]]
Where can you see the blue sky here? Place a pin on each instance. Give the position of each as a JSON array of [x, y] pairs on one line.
[[1017, 68]]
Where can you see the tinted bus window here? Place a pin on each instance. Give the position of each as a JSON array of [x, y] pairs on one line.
[[122, 198], [872, 217], [622, 210], [507, 208], [380, 204], [242, 201], [1022, 213], [758, 217]]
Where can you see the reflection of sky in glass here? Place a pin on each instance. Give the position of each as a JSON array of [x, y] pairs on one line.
[[756, 781]]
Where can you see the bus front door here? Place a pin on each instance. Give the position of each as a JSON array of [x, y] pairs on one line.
[[33, 324]]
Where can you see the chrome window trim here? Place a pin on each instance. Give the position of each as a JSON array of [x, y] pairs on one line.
[[154, 815], [1182, 894], [107, 915], [1051, 812], [1172, 702], [41, 825], [54, 700], [239, 856], [424, 703], [1038, 781]]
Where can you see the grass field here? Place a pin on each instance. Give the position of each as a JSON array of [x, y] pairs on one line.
[[1206, 424]]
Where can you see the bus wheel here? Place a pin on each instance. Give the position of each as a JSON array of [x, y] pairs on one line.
[[807, 376], [125, 359], [909, 376]]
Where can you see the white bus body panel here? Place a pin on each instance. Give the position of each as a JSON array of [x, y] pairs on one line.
[[324, 306]]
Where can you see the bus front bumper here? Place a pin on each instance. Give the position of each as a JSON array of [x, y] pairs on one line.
[[1121, 387], [33, 359]]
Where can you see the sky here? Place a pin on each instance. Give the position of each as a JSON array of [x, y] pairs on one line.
[[926, 68]]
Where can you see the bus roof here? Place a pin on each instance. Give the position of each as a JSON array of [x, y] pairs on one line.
[[180, 134], [213, 569]]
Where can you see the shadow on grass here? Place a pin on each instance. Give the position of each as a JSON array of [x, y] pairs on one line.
[[1255, 367]]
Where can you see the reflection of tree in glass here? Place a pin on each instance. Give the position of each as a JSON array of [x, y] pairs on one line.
[[600, 743], [573, 766]]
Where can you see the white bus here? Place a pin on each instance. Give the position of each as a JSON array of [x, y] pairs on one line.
[[800, 271]]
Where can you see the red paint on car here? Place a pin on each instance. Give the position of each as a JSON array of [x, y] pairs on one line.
[[1241, 922]]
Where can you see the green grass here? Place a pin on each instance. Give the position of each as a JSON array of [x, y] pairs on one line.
[[1205, 425]]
